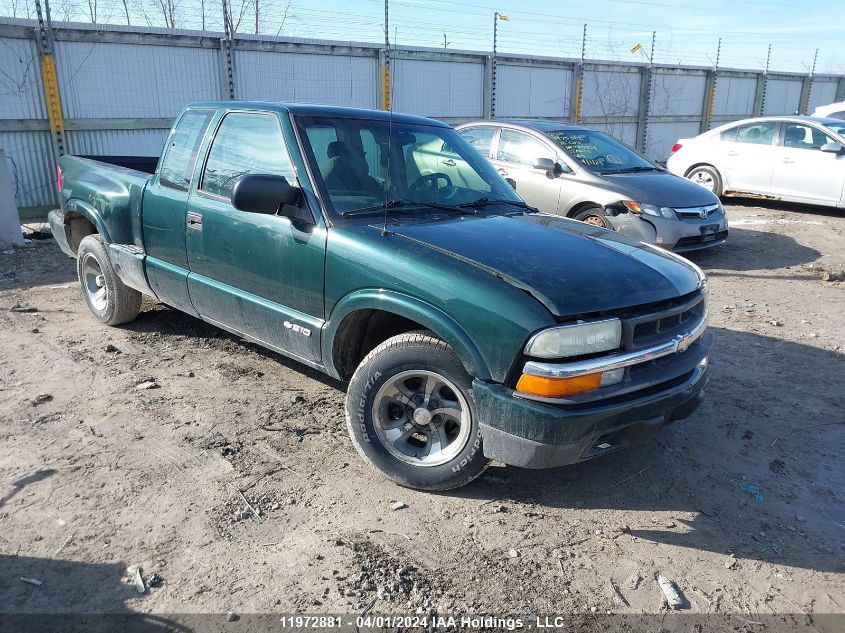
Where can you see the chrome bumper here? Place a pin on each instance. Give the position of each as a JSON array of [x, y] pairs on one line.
[[616, 361]]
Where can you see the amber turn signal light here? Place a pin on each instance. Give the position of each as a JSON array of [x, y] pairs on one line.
[[557, 387]]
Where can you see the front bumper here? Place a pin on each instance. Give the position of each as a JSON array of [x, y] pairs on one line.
[[688, 234], [534, 434], [679, 235]]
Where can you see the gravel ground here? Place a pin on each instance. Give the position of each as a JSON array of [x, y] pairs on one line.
[[234, 487]]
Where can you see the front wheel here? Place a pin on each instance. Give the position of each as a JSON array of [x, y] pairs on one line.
[[595, 216], [411, 414]]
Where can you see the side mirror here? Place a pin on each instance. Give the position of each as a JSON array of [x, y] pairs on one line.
[[263, 193], [511, 182], [832, 148], [552, 168]]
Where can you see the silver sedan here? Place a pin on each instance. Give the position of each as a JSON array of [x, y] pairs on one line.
[[588, 175], [792, 158]]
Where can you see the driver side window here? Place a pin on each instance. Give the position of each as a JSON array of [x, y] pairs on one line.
[[522, 149]]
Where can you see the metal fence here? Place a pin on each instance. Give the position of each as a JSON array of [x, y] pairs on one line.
[[120, 88]]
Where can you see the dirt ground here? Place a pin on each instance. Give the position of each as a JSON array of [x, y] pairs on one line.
[[741, 506]]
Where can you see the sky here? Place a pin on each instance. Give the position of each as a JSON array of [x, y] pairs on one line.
[[686, 31]]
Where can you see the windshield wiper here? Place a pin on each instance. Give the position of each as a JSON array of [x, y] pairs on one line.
[[402, 204], [483, 202]]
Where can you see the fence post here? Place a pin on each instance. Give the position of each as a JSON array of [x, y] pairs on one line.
[[577, 93], [644, 107], [384, 83], [806, 89], [487, 107], [50, 83], [760, 94], [709, 99], [840, 90], [227, 55]]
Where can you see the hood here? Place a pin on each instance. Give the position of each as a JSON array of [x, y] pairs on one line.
[[570, 267], [660, 188]]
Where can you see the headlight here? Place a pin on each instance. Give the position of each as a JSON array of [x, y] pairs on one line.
[[576, 339], [649, 209]]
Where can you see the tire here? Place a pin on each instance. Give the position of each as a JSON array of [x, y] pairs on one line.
[[108, 298], [595, 216], [398, 429], [708, 177]]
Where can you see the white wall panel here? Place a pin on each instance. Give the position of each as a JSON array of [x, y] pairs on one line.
[[609, 93], [117, 142], [438, 89], [735, 96], [661, 137], [20, 80], [32, 168], [822, 93], [676, 93], [533, 91], [105, 80], [307, 78], [783, 96]]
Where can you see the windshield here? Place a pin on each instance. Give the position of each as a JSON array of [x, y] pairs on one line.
[[836, 126], [599, 152], [367, 163]]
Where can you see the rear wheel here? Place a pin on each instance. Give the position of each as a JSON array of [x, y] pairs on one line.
[[410, 413], [595, 216], [109, 299], [708, 177]]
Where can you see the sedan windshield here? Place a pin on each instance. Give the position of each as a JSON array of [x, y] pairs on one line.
[[373, 166], [836, 126], [599, 152]]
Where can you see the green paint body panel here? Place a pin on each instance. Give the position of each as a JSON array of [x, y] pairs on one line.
[[484, 284]]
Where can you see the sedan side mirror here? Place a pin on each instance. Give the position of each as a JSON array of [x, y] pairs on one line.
[[552, 168], [832, 148], [264, 193]]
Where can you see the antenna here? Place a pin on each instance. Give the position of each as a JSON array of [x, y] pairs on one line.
[[389, 76]]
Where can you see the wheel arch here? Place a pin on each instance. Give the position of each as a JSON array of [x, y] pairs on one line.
[[365, 318], [577, 208], [82, 220]]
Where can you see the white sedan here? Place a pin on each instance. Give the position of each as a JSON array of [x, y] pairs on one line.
[[793, 158]]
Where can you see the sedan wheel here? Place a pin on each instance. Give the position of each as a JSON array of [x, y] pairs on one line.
[[707, 177]]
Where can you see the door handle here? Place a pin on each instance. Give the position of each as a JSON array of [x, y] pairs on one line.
[[194, 221], [502, 171], [449, 162], [788, 160], [731, 153]]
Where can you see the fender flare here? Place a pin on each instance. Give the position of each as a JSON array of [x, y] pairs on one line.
[[409, 307], [84, 209]]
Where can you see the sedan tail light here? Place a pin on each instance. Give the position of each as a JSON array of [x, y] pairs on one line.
[[59, 178], [676, 147]]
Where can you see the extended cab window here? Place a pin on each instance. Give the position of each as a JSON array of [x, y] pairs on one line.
[[245, 143], [180, 156]]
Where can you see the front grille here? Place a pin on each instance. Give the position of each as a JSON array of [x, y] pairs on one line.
[[701, 239], [696, 213], [662, 324]]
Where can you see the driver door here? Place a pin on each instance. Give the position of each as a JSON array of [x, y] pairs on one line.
[[514, 158], [255, 274]]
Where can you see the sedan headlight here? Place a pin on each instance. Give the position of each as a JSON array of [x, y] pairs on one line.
[[576, 339], [649, 209]]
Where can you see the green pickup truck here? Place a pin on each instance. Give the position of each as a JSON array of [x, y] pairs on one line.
[[470, 326]]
